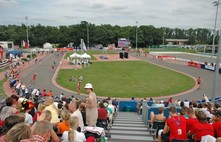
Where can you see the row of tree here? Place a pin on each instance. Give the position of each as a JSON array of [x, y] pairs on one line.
[[102, 34]]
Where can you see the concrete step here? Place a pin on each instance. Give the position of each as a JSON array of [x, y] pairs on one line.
[[125, 122], [128, 128], [129, 137], [125, 132], [129, 119], [128, 125], [120, 140], [127, 116]]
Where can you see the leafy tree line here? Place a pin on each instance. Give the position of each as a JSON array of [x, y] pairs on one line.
[[102, 34]]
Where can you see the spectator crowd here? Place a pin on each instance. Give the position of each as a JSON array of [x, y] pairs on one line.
[[30, 115], [188, 121]]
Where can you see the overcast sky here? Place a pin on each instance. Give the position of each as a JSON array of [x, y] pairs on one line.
[[160, 13]]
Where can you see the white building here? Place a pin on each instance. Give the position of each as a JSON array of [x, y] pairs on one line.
[[7, 44]]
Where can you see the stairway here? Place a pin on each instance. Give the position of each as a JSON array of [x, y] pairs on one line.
[[128, 127]]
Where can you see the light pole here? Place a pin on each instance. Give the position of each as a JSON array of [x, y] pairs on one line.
[[163, 37], [26, 18], [87, 35], [216, 74], [215, 3], [136, 33], [27, 41]]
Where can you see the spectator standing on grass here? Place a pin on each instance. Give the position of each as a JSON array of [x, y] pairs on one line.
[[91, 106], [80, 78], [79, 87]]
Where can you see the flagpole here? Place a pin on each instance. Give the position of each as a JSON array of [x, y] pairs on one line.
[[81, 46], [26, 18], [87, 36]]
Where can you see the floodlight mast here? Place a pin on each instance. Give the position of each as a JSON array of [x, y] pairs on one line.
[[216, 74], [136, 33], [26, 18], [87, 35], [215, 3]]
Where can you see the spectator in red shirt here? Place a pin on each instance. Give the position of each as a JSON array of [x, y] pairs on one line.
[[102, 112], [176, 125], [202, 128], [192, 119], [198, 82], [217, 123]]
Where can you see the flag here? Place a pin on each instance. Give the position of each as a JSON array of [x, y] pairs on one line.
[[83, 46], [27, 44], [22, 43]]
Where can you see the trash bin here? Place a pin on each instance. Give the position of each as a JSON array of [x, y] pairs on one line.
[[128, 108]]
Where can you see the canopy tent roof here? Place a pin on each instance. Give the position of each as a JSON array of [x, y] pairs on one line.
[[86, 56], [47, 45], [75, 55]]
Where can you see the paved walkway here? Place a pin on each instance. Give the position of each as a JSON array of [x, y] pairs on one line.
[[23, 69]]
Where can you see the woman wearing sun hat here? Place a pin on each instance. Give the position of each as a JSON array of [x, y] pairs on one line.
[[91, 106]]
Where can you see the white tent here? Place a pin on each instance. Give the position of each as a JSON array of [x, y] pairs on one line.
[[75, 55], [47, 45], [85, 56]]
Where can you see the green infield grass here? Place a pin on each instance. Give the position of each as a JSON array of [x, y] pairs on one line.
[[2, 93], [127, 79], [91, 52]]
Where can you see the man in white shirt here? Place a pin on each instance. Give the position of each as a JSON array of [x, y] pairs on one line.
[[76, 112], [112, 107], [18, 87]]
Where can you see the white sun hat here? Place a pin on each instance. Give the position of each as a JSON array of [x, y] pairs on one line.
[[88, 86]]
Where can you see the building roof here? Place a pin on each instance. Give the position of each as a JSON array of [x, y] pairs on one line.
[[179, 40]]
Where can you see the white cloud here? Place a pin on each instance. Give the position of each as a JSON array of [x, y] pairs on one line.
[[8, 3], [160, 13]]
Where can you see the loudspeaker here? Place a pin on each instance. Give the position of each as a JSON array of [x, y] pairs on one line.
[[121, 55], [126, 55]]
